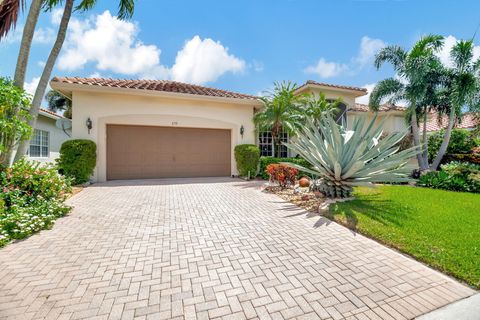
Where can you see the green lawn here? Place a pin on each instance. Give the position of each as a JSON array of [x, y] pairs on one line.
[[441, 228]]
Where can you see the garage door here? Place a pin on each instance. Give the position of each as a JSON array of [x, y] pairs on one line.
[[147, 152]]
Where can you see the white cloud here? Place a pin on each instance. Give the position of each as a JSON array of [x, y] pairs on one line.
[[368, 48], [444, 53], [364, 99], [41, 63], [110, 43], [56, 16], [328, 69], [31, 86], [325, 69], [44, 35], [113, 45], [14, 36], [202, 61]]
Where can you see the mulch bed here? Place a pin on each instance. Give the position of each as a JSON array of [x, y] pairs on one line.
[[304, 199]]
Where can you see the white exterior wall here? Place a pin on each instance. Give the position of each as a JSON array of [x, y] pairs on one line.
[[394, 120], [122, 108], [56, 138]]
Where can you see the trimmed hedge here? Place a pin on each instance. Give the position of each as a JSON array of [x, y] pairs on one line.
[[77, 159], [265, 161], [247, 157]]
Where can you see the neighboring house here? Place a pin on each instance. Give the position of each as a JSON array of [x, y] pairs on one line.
[[469, 121], [158, 129], [47, 137]]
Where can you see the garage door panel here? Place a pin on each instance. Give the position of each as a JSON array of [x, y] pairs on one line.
[[142, 152]]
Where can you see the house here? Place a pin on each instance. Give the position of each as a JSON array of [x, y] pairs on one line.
[[469, 121], [48, 137], [158, 129]]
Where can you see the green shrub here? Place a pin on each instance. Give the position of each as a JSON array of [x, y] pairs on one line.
[[77, 159], [461, 142], [32, 197], [465, 157], [247, 157], [455, 176], [265, 161]]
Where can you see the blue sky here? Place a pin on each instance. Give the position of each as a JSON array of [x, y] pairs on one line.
[[242, 45]]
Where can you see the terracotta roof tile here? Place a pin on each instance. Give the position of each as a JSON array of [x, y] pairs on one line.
[[469, 120], [155, 85], [51, 112], [313, 82], [383, 108]]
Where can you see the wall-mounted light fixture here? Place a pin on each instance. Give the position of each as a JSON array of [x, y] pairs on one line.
[[89, 124], [242, 130]]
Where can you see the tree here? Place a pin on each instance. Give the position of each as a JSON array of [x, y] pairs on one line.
[[125, 10], [462, 90], [9, 12], [419, 73], [318, 107], [14, 104], [58, 102], [281, 112]]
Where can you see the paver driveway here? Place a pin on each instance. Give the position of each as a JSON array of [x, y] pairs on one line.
[[208, 248]]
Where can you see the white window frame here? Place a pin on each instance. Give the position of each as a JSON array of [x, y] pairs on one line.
[[267, 135], [44, 143]]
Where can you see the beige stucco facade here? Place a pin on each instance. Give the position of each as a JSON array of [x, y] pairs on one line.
[[156, 109]]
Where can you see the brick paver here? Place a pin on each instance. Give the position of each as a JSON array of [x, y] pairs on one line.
[[208, 249]]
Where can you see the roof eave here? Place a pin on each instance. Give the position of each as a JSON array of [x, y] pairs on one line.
[[67, 89], [355, 93]]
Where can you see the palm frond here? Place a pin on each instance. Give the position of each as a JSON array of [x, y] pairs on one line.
[[392, 54], [390, 88]]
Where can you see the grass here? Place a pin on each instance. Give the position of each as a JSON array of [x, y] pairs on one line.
[[440, 228]]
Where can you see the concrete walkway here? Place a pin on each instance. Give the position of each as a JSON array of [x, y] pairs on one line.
[[208, 249]]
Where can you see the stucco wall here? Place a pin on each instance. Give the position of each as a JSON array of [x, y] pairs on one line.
[[56, 138], [112, 108], [393, 121]]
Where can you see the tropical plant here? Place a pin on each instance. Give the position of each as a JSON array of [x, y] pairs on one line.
[[461, 142], [462, 90], [315, 107], [9, 12], [14, 105], [419, 74], [281, 174], [358, 157], [455, 176], [265, 161], [281, 112], [126, 8], [58, 102]]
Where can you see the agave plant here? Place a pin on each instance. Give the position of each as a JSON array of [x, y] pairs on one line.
[[358, 157]]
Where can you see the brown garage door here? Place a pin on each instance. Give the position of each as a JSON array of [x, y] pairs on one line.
[[147, 152]]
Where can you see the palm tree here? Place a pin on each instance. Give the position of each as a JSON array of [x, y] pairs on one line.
[[125, 10], [9, 12], [462, 90], [281, 112], [318, 107], [420, 71], [58, 102]]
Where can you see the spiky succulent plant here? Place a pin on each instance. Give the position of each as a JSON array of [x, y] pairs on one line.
[[342, 159]]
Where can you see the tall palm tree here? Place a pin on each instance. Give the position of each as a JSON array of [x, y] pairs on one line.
[[125, 10], [419, 72], [462, 90], [281, 112]]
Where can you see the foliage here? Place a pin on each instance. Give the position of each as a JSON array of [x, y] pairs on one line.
[[58, 102], [463, 157], [435, 226], [315, 108], [455, 176], [280, 113], [282, 174], [32, 197], [419, 75], [77, 159], [14, 105], [461, 141], [343, 159], [265, 161], [247, 157]]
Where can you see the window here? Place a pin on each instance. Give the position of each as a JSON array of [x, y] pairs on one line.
[[265, 143], [39, 144]]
